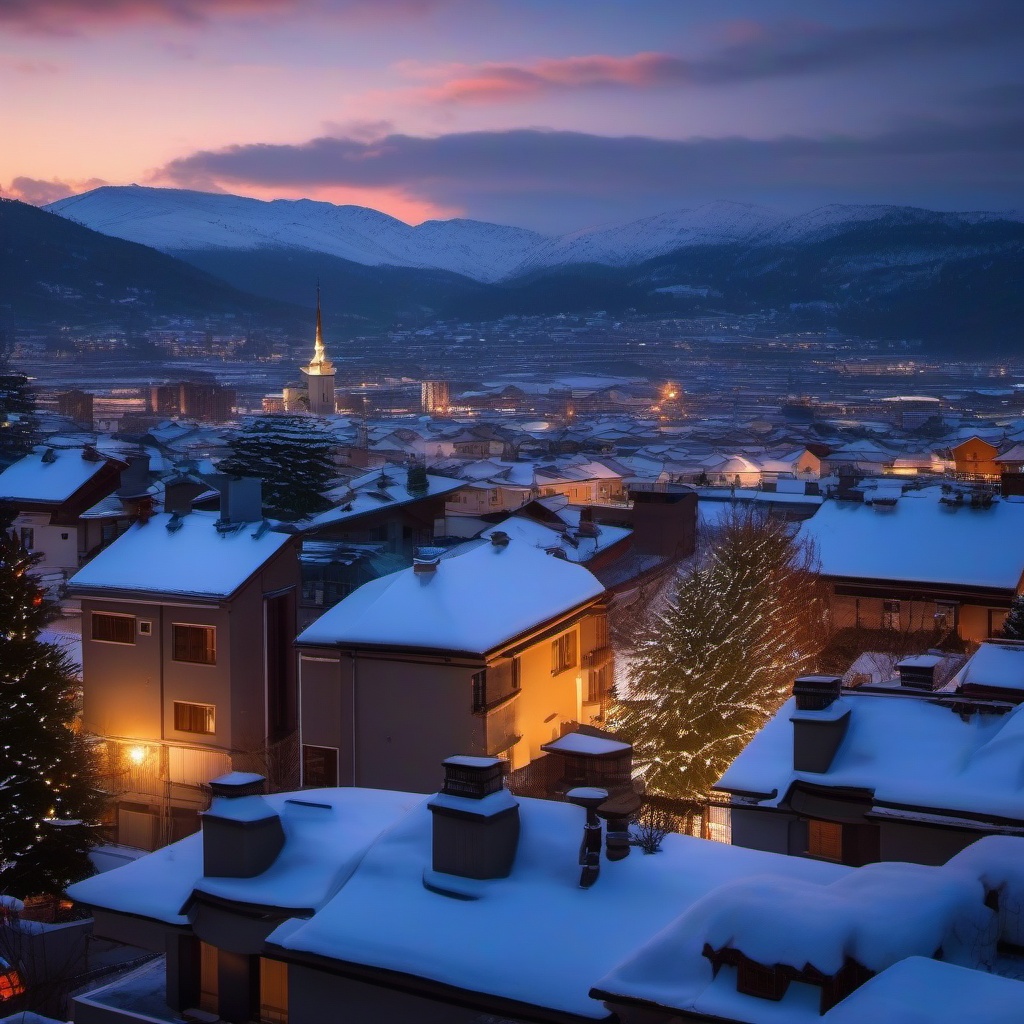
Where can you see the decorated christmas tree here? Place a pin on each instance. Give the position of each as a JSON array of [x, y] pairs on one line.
[[711, 668], [48, 802], [1013, 627], [294, 456]]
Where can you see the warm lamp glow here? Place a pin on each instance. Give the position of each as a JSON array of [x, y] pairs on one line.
[[137, 755]]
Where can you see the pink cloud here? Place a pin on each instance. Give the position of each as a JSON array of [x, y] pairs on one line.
[[495, 82], [38, 192], [69, 17]]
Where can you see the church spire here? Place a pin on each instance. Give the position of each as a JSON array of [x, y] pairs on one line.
[[319, 364], [318, 346]]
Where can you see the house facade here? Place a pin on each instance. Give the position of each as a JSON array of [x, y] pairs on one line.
[[494, 652], [883, 772], [187, 661]]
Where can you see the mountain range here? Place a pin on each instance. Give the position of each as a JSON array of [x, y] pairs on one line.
[[953, 279]]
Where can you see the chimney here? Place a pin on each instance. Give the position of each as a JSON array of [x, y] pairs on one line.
[[499, 539], [476, 820], [135, 479], [918, 672], [241, 499], [819, 722], [179, 493], [587, 527], [242, 833], [425, 565]]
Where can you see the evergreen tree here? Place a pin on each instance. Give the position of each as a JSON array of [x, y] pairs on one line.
[[48, 801], [17, 417], [719, 661], [294, 456], [1013, 627]]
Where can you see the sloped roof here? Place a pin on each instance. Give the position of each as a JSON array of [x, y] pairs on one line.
[[473, 602]]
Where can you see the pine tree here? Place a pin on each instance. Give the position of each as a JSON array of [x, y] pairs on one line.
[[1013, 627], [48, 802], [293, 455], [17, 417], [719, 661]]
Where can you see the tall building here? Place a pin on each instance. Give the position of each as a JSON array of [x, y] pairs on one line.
[[320, 373], [434, 396], [198, 400], [77, 406]]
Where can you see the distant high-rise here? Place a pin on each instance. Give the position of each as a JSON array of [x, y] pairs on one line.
[[195, 400], [435, 397], [320, 373], [77, 406]]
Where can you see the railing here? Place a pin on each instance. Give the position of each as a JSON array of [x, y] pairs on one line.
[[500, 728], [597, 658]]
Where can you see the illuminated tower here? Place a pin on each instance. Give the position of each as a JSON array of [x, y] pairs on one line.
[[320, 373]]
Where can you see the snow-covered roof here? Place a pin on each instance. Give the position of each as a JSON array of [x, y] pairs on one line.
[[383, 488], [53, 474], [576, 548], [367, 850], [1000, 665], [920, 990], [921, 540], [911, 751], [195, 558], [472, 602]]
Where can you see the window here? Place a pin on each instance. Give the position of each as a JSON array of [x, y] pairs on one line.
[[516, 671], [563, 653], [28, 538], [200, 718], [599, 684], [480, 690], [273, 991], [319, 766], [601, 631], [890, 615], [196, 644], [113, 629], [945, 615], [764, 982], [825, 839]]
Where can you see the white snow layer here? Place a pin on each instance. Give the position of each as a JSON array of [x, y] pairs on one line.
[[920, 540], [32, 479], [195, 559], [472, 602]]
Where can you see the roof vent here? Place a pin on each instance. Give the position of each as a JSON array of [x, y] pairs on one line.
[[816, 693], [499, 539], [425, 565], [918, 672], [49, 457], [589, 798], [175, 522]]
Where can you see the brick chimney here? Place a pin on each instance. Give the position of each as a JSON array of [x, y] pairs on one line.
[[819, 722], [476, 820], [242, 833]]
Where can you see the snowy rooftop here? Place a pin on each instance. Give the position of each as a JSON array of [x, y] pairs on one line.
[[920, 990], [576, 548], [998, 665], [921, 540], [911, 751], [384, 488], [352, 855], [368, 852], [472, 602], [50, 475], [194, 559]]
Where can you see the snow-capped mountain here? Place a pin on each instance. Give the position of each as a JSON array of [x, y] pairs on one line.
[[186, 224], [179, 221]]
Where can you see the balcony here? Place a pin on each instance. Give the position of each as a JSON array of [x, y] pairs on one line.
[[597, 658], [140, 996], [500, 731]]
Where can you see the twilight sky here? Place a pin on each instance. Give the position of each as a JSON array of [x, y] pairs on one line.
[[551, 114]]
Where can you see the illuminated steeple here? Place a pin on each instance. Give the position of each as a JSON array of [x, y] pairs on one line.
[[319, 364], [319, 372]]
